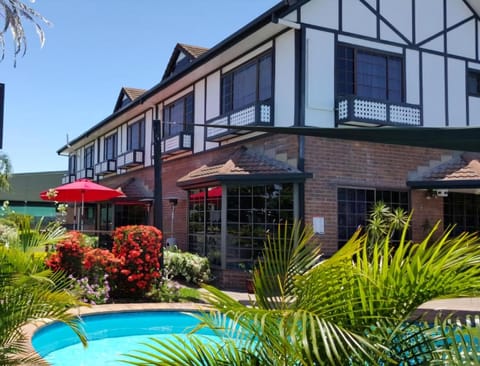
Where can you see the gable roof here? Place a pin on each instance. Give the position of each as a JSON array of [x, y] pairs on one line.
[[242, 166], [126, 96], [183, 55]]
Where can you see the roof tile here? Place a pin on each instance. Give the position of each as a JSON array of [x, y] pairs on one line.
[[462, 167], [241, 162]]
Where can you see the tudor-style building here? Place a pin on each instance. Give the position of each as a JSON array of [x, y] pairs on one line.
[[338, 64]]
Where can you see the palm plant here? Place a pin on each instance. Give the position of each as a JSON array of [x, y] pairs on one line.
[[29, 292], [383, 222], [355, 308]]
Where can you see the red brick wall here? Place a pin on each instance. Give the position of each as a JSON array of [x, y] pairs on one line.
[[333, 163], [341, 163]]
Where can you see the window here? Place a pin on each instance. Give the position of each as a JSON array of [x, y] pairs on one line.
[[473, 83], [72, 164], [88, 157], [110, 147], [247, 84], [462, 211], [252, 213], [178, 116], [354, 206], [136, 136], [369, 74]]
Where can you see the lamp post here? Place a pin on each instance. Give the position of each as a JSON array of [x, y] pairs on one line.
[[157, 191]]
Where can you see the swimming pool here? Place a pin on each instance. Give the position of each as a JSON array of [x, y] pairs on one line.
[[110, 335]]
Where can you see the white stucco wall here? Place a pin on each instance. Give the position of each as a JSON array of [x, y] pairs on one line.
[[457, 94], [433, 90], [353, 10], [412, 76], [320, 79], [324, 13], [199, 113], [284, 94]]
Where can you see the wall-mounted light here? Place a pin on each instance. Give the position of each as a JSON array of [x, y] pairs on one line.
[[430, 193]]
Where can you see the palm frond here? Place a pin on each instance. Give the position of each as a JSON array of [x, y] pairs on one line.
[[14, 12], [287, 254]]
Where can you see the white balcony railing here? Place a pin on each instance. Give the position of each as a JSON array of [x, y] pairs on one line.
[[68, 178], [106, 166], [85, 173], [260, 113], [360, 111], [130, 159]]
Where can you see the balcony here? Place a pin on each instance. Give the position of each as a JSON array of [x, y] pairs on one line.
[[181, 142], [85, 173], [106, 167], [130, 159], [259, 113], [68, 178], [366, 112]]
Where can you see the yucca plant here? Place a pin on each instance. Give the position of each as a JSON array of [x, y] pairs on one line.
[[355, 308]]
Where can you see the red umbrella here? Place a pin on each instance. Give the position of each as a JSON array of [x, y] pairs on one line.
[[80, 191]]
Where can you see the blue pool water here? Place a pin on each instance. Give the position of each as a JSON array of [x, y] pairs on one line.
[[109, 336]]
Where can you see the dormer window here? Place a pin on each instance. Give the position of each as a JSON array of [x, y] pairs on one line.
[[369, 74], [125, 100]]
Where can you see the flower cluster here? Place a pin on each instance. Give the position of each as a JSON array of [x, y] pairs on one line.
[[139, 249], [130, 268], [92, 293], [68, 255], [97, 261]]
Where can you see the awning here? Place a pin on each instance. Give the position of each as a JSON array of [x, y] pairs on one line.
[[449, 138], [215, 192]]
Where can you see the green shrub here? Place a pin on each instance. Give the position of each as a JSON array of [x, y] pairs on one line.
[[169, 291], [188, 266]]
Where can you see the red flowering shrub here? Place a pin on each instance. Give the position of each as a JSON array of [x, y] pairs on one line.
[[98, 262], [138, 249], [68, 255]]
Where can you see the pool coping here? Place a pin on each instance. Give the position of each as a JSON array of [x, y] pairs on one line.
[[459, 307], [30, 328]]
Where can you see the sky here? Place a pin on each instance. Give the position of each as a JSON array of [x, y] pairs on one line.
[[94, 48]]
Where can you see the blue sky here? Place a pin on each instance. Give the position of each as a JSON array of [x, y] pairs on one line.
[[93, 49]]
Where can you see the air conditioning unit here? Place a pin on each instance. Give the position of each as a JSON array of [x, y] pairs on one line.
[[442, 192]]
